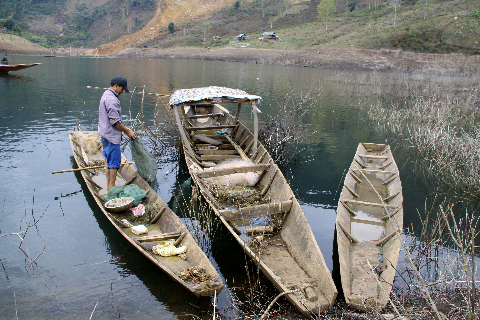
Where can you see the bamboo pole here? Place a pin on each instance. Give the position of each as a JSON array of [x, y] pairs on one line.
[[87, 168], [149, 93]]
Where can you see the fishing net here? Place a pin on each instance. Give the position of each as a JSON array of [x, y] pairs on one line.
[[131, 190], [144, 161]]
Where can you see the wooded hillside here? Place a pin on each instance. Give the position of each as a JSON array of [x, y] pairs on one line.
[[112, 26]]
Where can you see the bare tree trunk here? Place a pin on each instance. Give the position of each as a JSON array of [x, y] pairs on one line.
[[395, 19], [425, 15]]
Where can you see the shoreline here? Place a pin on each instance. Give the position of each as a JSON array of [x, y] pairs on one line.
[[340, 58], [349, 58]]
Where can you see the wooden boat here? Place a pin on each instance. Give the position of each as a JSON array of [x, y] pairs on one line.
[[369, 227], [87, 150], [272, 229], [16, 67]]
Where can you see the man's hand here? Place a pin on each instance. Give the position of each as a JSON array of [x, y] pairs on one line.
[[130, 133]]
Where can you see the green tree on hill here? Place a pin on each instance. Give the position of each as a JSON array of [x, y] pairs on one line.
[[325, 9], [171, 27]]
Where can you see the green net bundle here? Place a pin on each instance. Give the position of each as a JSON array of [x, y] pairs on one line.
[[131, 190], [144, 161]]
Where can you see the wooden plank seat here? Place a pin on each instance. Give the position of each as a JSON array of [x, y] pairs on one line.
[[375, 223], [218, 157], [372, 157], [222, 146], [219, 137], [156, 237], [257, 211], [207, 115], [227, 171], [374, 171], [217, 151], [204, 138], [373, 204], [225, 126]]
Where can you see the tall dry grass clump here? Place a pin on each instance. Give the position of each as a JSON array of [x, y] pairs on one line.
[[441, 261], [444, 132], [435, 112]]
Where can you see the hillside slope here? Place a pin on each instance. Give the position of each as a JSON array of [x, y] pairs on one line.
[[169, 11], [10, 43], [440, 27]]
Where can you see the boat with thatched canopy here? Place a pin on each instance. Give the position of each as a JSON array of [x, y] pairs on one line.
[[249, 194], [369, 227]]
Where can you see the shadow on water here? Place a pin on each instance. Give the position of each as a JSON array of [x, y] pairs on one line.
[[6, 79], [336, 267]]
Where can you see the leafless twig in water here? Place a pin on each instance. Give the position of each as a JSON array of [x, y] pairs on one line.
[[282, 134]]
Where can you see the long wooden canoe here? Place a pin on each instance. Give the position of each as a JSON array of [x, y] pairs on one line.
[[369, 227], [87, 150], [271, 228], [16, 67]]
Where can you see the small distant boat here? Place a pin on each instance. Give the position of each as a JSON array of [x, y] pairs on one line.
[[369, 227], [16, 67], [271, 226], [194, 270]]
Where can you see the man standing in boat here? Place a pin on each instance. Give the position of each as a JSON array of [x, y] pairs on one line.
[[4, 60], [110, 127]]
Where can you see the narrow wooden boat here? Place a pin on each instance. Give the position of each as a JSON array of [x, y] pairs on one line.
[[369, 227], [16, 67], [265, 218], [192, 270]]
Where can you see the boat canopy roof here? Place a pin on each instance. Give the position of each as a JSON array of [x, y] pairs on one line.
[[211, 95]]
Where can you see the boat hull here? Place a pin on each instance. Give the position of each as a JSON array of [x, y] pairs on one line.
[[369, 227], [86, 147], [15, 67], [289, 256]]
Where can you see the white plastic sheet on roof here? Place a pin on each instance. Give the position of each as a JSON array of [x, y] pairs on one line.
[[216, 94]]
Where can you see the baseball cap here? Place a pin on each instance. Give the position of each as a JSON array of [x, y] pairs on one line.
[[121, 81]]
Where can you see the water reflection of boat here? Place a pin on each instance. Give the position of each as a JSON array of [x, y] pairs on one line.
[[265, 218], [193, 270], [369, 227], [16, 67]]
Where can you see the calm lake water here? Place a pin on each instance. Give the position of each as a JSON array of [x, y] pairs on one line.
[[84, 267]]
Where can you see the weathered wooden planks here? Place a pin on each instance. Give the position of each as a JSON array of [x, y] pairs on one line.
[[227, 171], [257, 211], [210, 127], [156, 237]]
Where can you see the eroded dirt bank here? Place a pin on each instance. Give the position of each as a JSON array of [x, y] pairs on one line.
[[337, 58]]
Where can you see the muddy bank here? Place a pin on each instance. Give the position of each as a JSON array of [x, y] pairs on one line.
[[336, 58], [10, 43]]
